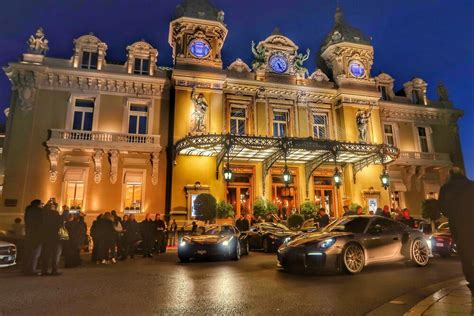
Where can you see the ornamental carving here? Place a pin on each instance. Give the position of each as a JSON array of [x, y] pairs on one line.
[[97, 158], [319, 76], [53, 157], [37, 43], [198, 119], [239, 66], [155, 160], [24, 82], [113, 157]]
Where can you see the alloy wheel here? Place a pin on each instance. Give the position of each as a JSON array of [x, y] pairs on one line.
[[354, 258], [420, 252]]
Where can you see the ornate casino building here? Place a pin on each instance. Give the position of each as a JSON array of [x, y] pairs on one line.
[[137, 137]]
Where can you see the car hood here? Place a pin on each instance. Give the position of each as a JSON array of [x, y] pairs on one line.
[[207, 239], [315, 237], [5, 244], [282, 233]]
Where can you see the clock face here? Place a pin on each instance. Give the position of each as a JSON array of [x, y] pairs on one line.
[[199, 48], [278, 63], [356, 69]]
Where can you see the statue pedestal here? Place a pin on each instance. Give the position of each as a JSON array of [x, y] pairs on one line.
[[300, 78], [260, 74], [33, 58]]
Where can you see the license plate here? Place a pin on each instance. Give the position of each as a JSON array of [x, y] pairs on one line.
[[439, 244], [201, 252]]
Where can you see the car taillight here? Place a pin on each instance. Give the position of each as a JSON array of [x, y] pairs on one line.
[[439, 239]]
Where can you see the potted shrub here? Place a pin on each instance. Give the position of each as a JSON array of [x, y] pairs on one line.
[[262, 208], [205, 206], [430, 210], [307, 209], [295, 221], [225, 213]]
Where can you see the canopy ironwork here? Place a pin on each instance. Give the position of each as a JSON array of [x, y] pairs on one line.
[[269, 150]]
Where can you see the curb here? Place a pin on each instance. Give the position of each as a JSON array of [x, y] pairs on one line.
[[404, 304]]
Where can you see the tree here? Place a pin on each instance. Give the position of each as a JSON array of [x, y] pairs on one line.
[[430, 209], [205, 207], [224, 210], [307, 209], [295, 221], [262, 207]]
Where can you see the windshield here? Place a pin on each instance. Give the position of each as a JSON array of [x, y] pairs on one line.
[[219, 231], [351, 225], [274, 227]]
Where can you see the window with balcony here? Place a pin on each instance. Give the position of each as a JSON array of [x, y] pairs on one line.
[[142, 66], [89, 60], [423, 139], [280, 123], [389, 134], [138, 119], [133, 192], [383, 91], [238, 118], [83, 114], [320, 126]]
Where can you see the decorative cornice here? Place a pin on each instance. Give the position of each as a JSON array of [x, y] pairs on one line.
[[417, 113]]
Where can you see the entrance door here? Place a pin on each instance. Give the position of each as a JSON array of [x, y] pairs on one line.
[[324, 195], [239, 196]]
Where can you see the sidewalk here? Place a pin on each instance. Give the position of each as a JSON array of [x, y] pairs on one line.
[[454, 299]]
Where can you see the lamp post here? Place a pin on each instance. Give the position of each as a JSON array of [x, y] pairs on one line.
[[337, 178], [227, 173], [286, 175], [385, 178]]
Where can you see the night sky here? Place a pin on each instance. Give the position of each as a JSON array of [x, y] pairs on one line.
[[431, 39]]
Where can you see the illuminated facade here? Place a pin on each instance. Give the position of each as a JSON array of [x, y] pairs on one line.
[[139, 138]]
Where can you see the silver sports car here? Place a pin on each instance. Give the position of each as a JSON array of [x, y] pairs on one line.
[[353, 242]]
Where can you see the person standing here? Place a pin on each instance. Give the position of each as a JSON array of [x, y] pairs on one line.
[[132, 236], [96, 238], [359, 210], [107, 252], [148, 238], [386, 212], [33, 238], [173, 231], [52, 222], [240, 223], [407, 219], [160, 231], [323, 219], [455, 201], [72, 251]]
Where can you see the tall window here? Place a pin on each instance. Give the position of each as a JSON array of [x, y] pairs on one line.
[[320, 125], [89, 60], [389, 134], [237, 120], [75, 195], [83, 114], [142, 66], [280, 123], [138, 119], [423, 138], [415, 96], [383, 91], [134, 188]]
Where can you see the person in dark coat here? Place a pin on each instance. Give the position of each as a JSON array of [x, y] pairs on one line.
[[106, 251], [147, 230], [132, 236], [173, 234], [52, 249], [386, 212], [96, 238], [323, 219], [72, 246], [194, 228], [455, 201], [240, 223], [33, 226], [347, 211], [160, 234], [407, 219]]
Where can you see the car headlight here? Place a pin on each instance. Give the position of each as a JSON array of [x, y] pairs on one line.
[[182, 243], [225, 243], [327, 243], [287, 240]]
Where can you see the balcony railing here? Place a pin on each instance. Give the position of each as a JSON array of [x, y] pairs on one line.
[[105, 140], [421, 158]]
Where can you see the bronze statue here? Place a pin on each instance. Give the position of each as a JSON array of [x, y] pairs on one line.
[[259, 56], [299, 60], [38, 44]]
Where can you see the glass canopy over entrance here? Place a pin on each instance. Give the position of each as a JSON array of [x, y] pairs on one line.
[[269, 150]]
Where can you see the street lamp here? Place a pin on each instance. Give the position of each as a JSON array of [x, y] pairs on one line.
[[286, 175], [337, 178], [227, 173], [385, 179]]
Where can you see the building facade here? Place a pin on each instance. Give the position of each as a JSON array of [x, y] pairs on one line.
[[139, 138]]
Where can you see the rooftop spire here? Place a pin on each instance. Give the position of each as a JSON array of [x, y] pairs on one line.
[[339, 16]]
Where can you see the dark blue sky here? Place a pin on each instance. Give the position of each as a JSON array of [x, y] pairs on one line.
[[432, 39]]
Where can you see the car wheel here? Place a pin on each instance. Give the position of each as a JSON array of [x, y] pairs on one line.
[[246, 248], [236, 255], [184, 259], [353, 258], [266, 245], [419, 253]]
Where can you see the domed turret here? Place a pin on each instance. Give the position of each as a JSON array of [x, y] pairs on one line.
[[199, 9]]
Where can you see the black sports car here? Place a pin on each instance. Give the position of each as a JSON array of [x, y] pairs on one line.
[[216, 241], [269, 236], [353, 242], [442, 241]]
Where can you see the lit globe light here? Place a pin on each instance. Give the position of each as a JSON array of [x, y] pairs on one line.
[[337, 178], [286, 176], [227, 173], [385, 179]]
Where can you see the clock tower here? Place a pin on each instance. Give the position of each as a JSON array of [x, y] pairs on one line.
[[197, 34], [347, 52]]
